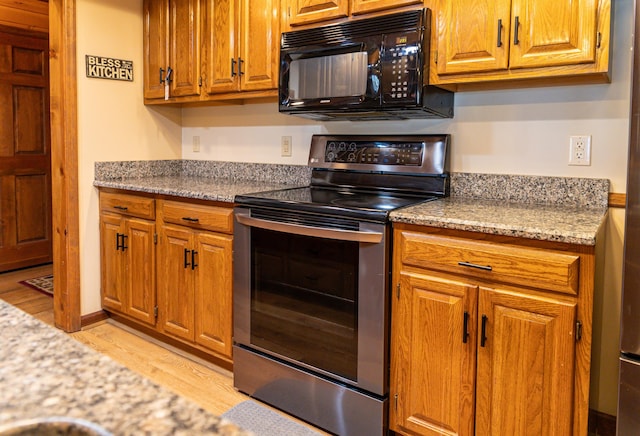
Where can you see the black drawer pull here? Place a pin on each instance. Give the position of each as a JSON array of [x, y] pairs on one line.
[[124, 242], [186, 257], [483, 330], [476, 266], [193, 259], [120, 207], [189, 219], [500, 33], [118, 244], [516, 39]]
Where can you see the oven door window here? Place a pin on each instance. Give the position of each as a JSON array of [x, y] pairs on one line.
[[304, 300]]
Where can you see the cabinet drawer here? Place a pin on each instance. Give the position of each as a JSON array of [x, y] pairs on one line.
[[126, 204], [492, 261], [217, 219]]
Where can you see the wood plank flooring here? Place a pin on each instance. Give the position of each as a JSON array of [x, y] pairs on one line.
[[205, 384]]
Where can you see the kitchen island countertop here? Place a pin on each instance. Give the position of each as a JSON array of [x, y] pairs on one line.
[[45, 373]]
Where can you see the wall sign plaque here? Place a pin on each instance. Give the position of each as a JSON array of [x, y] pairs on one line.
[[109, 68]]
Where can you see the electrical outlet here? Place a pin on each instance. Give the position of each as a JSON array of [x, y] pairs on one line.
[[580, 150], [285, 146], [196, 144]]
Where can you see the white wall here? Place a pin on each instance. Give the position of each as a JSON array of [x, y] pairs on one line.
[[113, 123], [505, 132]]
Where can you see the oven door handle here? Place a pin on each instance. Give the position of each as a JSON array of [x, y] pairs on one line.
[[319, 232]]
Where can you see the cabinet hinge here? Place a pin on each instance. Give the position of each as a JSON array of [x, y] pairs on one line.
[[398, 291], [598, 39], [155, 239], [155, 312], [578, 330]]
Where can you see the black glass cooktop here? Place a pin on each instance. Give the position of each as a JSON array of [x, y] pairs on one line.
[[373, 206]]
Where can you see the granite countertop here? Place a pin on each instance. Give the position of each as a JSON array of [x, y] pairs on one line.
[[559, 223], [45, 373]]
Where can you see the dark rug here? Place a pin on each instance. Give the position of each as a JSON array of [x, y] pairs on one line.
[[42, 284], [255, 418]]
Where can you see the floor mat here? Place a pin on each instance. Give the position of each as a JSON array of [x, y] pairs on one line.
[[42, 284], [261, 421]]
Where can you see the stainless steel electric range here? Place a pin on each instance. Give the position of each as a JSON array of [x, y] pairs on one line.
[[311, 278]]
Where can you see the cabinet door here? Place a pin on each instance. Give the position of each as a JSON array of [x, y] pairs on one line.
[[432, 357], [156, 46], [112, 263], [184, 52], [552, 32], [141, 269], [220, 46], [310, 11], [364, 6], [176, 282], [213, 304], [260, 44], [526, 365], [472, 36]]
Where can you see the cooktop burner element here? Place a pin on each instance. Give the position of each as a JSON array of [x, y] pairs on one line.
[[365, 177]]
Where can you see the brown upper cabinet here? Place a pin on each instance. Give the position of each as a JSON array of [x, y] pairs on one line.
[[205, 43], [303, 12], [480, 43]]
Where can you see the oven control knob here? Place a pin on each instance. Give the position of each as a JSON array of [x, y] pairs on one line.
[[342, 146], [351, 157], [352, 146], [331, 156], [332, 146]]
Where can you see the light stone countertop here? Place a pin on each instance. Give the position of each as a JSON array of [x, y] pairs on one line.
[[559, 223], [45, 373]]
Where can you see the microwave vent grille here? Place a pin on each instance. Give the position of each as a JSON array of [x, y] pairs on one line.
[[347, 31]]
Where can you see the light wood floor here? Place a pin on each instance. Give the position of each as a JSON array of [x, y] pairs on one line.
[[203, 383]]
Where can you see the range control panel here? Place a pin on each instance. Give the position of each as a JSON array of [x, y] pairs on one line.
[[374, 153]]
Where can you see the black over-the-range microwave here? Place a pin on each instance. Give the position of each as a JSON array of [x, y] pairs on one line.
[[370, 68]]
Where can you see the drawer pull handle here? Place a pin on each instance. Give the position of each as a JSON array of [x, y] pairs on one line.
[[465, 328], [193, 259], [120, 207], [499, 33], [186, 257], [483, 333], [516, 30], [475, 265], [189, 219]]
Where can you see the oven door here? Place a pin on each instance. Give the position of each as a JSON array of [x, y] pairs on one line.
[[313, 297]]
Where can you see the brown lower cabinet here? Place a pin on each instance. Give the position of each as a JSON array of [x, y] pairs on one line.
[[490, 335], [167, 264]]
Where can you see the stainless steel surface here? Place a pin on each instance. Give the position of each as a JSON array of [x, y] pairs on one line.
[[372, 305], [629, 398], [244, 217], [331, 406]]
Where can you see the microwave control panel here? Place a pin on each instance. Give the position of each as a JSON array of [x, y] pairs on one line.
[[401, 75], [371, 153]]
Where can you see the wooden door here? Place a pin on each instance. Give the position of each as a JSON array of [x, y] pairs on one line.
[[260, 44], [220, 57], [156, 46], [112, 263], [432, 357], [141, 270], [365, 6], [176, 281], [526, 365], [472, 35], [552, 32], [25, 155], [184, 47], [311, 11], [213, 300]]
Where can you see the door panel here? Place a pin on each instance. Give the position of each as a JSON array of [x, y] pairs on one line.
[[156, 46], [184, 54], [220, 46], [25, 157], [141, 261], [260, 32], [112, 265]]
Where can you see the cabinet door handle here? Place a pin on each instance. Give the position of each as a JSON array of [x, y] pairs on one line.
[[465, 328], [193, 259], [169, 74], [240, 62], [161, 75], [124, 242], [516, 40], [483, 331], [186, 257], [233, 67], [117, 206], [500, 32], [191, 220], [118, 244], [476, 266]]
